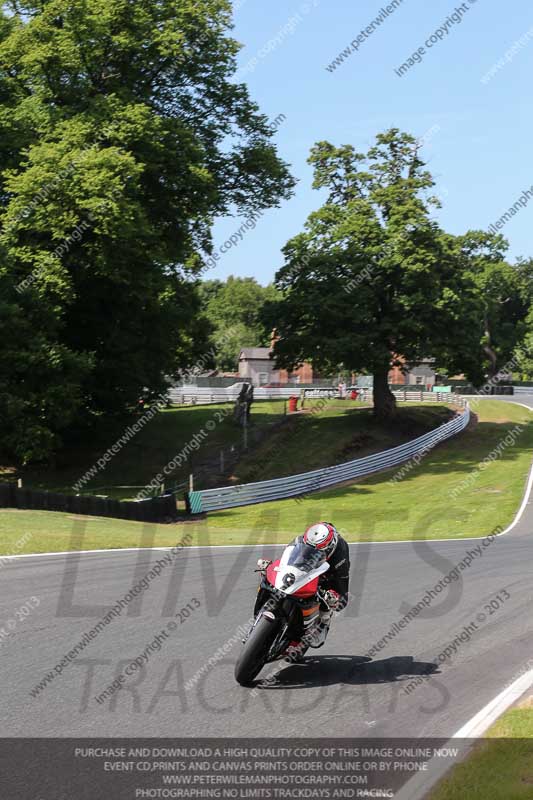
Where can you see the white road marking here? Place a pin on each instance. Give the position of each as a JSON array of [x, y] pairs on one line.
[[481, 722], [418, 786]]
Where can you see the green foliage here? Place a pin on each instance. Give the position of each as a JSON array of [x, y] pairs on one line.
[[235, 308], [122, 136], [523, 353], [373, 278], [39, 377], [503, 296], [157, 444]]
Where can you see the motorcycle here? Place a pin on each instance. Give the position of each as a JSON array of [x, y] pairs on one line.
[[286, 610]]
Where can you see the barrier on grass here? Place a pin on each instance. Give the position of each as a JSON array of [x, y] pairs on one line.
[[154, 509], [296, 485]]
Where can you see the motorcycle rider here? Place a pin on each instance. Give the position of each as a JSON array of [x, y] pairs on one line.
[[334, 583]]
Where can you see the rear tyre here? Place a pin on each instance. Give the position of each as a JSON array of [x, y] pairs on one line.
[[255, 651]]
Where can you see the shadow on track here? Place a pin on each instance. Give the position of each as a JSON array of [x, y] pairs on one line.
[[321, 671]]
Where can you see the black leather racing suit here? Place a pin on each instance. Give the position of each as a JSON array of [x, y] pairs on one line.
[[338, 575]]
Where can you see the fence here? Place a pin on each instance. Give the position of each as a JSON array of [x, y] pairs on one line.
[[154, 509], [201, 395], [298, 485], [420, 395]]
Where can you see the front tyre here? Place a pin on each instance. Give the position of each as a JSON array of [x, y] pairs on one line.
[[255, 651]]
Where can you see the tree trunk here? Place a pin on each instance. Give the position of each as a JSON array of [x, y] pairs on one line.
[[493, 358], [384, 400]]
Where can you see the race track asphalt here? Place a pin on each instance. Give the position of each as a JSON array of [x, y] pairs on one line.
[[337, 691]]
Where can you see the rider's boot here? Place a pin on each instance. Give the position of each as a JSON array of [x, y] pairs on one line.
[[320, 633]]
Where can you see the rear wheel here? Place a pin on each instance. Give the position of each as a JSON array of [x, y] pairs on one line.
[[255, 652]]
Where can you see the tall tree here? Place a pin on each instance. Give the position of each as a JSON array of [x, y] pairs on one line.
[[503, 294], [123, 135], [523, 353], [372, 280]]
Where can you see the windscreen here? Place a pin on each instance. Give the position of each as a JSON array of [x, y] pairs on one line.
[[305, 557]]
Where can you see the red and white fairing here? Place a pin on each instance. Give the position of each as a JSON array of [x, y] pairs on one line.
[[304, 579]]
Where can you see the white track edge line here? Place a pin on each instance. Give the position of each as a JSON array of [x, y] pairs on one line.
[[420, 784], [483, 720]]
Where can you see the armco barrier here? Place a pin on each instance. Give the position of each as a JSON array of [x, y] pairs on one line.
[[154, 509], [201, 395], [297, 485]]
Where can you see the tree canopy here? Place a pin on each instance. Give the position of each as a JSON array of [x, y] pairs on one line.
[[123, 136], [504, 296], [235, 310], [373, 281], [523, 353]]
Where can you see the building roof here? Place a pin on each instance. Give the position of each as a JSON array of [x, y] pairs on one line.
[[255, 353]]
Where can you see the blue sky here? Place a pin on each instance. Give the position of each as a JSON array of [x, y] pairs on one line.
[[479, 148]]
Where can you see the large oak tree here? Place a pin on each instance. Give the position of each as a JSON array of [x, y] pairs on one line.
[[122, 136], [372, 280]]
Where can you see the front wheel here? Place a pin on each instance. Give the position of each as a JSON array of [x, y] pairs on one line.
[[255, 651]]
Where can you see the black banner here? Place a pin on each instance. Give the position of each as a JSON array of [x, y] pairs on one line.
[[129, 769]]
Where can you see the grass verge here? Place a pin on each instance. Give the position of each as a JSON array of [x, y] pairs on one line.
[[151, 449], [417, 507], [449, 495], [501, 765], [340, 432]]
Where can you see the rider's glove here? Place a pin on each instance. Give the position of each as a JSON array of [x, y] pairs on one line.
[[332, 599], [262, 564]]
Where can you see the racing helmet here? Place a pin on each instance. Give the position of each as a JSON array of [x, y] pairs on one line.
[[323, 536]]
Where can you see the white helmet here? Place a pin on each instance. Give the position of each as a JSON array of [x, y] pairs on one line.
[[323, 536]]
